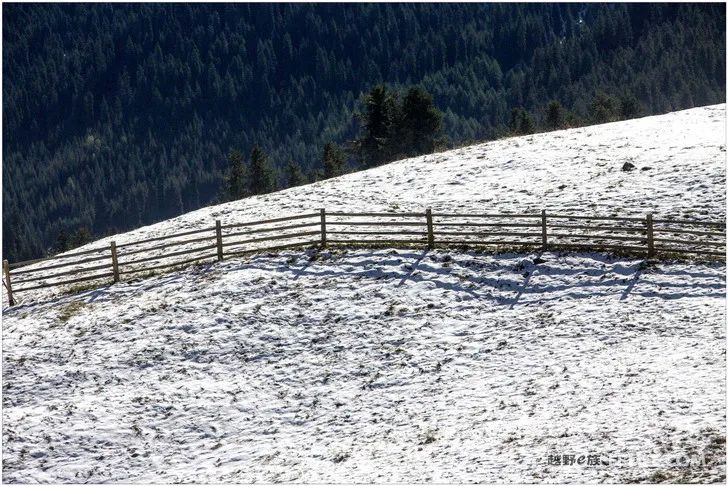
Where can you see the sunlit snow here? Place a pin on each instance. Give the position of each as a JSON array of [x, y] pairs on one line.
[[398, 365]]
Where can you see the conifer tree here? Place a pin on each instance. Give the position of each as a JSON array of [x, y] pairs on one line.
[[393, 130], [81, 237], [333, 160], [555, 118], [603, 108], [629, 107], [294, 175], [521, 122], [261, 179], [420, 123], [235, 179], [61, 243], [378, 122]]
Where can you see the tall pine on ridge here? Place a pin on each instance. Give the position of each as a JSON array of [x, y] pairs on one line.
[[261, 178], [392, 130], [420, 124], [332, 160], [234, 187], [378, 121], [293, 174]]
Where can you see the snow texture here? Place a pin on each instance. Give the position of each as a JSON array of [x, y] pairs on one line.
[[399, 365]]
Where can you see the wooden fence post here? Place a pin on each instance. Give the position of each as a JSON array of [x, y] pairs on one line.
[[650, 236], [323, 228], [430, 230], [218, 234], [6, 270], [114, 261], [543, 230]]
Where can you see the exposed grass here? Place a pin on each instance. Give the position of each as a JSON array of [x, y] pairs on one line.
[[76, 289], [698, 460], [70, 310]]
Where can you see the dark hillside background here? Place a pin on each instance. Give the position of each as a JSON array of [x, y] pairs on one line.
[[120, 115]]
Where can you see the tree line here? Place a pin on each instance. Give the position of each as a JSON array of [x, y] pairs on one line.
[[392, 127], [602, 109]]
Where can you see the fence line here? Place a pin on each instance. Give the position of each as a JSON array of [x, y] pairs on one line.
[[533, 231]]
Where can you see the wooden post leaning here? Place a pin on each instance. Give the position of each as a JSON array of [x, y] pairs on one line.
[[6, 271], [543, 230]]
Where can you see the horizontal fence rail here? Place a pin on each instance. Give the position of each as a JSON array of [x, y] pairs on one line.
[[532, 231]]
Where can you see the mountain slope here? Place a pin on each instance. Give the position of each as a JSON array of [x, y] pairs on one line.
[[399, 365], [115, 115], [680, 161], [373, 366]]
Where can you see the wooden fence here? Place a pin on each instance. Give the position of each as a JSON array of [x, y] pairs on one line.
[[541, 231]]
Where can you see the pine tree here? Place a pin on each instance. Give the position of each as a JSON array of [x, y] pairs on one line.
[[332, 161], [235, 179], [521, 122], [377, 121], [294, 174], [603, 108], [61, 243], [555, 118], [261, 180], [393, 130], [81, 237], [629, 107], [420, 123], [315, 174]]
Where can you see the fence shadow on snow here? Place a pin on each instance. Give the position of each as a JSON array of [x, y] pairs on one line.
[[543, 231], [509, 280]]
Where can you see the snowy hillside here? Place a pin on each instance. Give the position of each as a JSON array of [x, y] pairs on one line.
[[399, 365], [387, 366], [680, 161]]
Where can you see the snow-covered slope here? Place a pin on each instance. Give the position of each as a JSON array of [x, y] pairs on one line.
[[388, 366], [399, 365], [680, 160]]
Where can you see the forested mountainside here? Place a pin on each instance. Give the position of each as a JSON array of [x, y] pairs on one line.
[[120, 115]]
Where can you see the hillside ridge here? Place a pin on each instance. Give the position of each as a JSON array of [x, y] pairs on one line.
[[679, 159]]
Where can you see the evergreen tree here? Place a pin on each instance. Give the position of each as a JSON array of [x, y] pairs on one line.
[[420, 123], [629, 107], [235, 179], [555, 118], [61, 243], [261, 177], [393, 130], [378, 122], [315, 174], [521, 122], [603, 108], [294, 175], [81, 237], [332, 161]]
